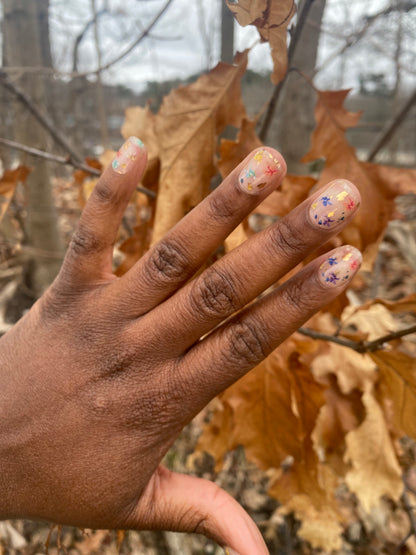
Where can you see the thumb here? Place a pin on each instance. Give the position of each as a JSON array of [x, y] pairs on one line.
[[183, 503]]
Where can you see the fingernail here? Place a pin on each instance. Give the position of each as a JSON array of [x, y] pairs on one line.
[[229, 551], [337, 203], [259, 172], [340, 266], [127, 154]]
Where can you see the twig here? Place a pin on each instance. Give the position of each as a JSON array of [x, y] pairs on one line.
[[127, 51], [42, 118], [66, 160], [391, 127], [358, 346], [278, 89]]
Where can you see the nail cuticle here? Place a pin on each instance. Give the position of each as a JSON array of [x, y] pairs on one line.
[[261, 170]]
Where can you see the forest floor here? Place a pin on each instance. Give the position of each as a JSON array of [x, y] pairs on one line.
[[383, 532]]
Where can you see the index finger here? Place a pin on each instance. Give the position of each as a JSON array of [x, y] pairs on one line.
[[173, 260]]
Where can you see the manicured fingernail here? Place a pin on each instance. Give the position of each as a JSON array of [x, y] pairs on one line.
[[125, 157], [335, 204], [259, 172], [340, 266], [229, 551]]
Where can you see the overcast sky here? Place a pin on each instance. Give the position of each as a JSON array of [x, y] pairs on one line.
[[186, 40]]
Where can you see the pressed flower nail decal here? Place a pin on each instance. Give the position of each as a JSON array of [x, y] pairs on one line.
[[259, 172], [340, 266], [336, 203], [127, 154]]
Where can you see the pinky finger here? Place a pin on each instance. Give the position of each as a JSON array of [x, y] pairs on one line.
[[244, 341]]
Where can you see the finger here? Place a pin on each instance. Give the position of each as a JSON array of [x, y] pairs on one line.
[[89, 255], [173, 260], [182, 503], [245, 340], [242, 275]]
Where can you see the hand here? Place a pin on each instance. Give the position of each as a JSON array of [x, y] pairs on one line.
[[99, 378]]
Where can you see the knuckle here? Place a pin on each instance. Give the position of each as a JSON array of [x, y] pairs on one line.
[[220, 208], [105, 192], [287, 238], [247, 344], [296, 301], [168, 262], [215, 294], [85, 242]]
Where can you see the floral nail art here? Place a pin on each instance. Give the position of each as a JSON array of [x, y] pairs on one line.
[[260, 171], [340, 266], [334, 205], [127, 154]]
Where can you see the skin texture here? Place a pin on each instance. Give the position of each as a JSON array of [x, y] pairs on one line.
[[99, 378]]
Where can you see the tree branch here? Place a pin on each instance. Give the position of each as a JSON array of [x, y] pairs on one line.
[[129, 49], [358, 346], [391, 127], [66, 160], [268, 118], [43, 119]]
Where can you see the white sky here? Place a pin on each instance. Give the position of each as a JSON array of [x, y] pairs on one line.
[[194, 27]]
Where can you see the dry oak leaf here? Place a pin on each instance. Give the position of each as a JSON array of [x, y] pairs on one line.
[[307, 489], [88, 183], [272, 18], [406, 304], [398, 376], [354, 371], [269, 411], [295, 189], [233, 152], [141, 122], [375, 470], [187, 125], [378, 188], [8, 183]]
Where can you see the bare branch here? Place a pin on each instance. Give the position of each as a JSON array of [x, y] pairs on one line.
[[43, 119], [391, 127], [129, 49], [66, 160], [81, 35], [359, 346]]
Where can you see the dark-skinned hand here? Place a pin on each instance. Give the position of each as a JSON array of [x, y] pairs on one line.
[[101, 375]]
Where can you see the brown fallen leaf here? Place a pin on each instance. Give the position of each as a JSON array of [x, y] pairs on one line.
[[375, 471], [398, 376], [270, 410]]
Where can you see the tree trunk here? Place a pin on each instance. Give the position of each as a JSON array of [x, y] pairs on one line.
[[26, 43], [296, 106], [227, 34]]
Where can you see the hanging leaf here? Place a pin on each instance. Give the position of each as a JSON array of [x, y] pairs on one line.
[[187, 125], [272, 20]]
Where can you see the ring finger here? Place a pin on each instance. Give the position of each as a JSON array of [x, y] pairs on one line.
[[242, 275]]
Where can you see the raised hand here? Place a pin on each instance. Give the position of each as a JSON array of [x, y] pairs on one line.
[[99, 378]]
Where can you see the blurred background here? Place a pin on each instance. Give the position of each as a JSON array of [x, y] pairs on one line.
[[76, 66]]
